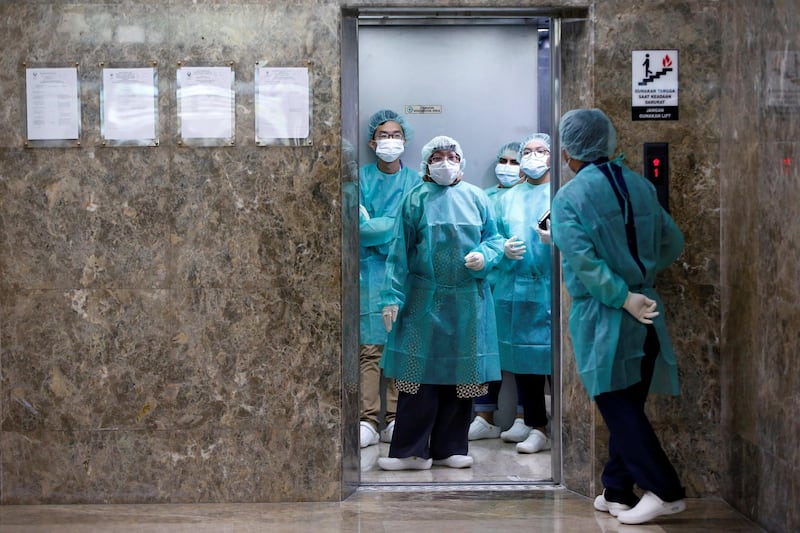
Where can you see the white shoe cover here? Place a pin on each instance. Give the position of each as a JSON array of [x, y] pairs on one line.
[[612, 508], [387, 432], [518, 431], [536, 442], [649, 507], [368, 436], [455, 461], [481, 429], [406, 463]]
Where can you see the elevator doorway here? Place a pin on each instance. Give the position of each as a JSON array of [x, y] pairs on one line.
[[484, 78]]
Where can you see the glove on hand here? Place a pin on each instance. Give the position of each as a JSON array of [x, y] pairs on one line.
[[544, 234], [363, 212], [389, 314], [640, 307], [474, 261], [514, 248]]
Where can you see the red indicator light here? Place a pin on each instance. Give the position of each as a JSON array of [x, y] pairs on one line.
[[787, 165], [656, 162]]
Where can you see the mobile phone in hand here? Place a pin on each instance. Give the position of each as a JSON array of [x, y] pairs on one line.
[[543, 220]]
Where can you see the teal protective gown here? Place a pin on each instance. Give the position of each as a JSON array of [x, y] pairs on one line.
[[495, 193], [445, 333], [381, 195], [599, 270], [522, 292]]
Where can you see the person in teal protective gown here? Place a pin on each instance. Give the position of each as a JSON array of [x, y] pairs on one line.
[[382, 186], [614, 237], [437, 305], [522, 294], [522, 302], [508, 174]]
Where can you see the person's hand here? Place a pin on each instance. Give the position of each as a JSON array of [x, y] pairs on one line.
[[514, 248], [640, 307], [363, 211], [389, 315], [474, 261], [544, 234]]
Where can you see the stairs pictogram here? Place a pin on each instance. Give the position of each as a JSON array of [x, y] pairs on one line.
[[655, 76]]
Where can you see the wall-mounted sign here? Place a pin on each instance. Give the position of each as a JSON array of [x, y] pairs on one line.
[[53, 104], [128, 110], [428, 109], [654, 84], [783, 78], [283, 105]]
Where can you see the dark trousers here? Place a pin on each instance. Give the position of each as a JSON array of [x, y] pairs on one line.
[[635, 454], [433, 423], [530, 387]]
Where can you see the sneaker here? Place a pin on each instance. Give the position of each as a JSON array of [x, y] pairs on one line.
[[536, 442], [481, 429], [650, 507], [612, 508], [455, 461], [368, 435], [387, 432], [518, 432], [406, 463]]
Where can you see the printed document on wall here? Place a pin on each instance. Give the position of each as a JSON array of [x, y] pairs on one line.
[[282, 103]]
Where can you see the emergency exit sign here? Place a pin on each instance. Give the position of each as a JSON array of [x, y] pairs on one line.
[[654, 84]]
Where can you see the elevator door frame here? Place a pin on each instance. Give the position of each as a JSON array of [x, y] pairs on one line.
[[352, 19]]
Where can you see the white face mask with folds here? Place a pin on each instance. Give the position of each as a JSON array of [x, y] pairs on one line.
[[390, 149], [534, 167], [506, 174], [444, 173]]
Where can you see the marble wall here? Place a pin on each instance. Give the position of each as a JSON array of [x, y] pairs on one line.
[[171, 320], [178, 324], [760, 243]]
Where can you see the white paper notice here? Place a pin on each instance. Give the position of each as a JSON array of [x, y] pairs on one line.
[[54, 107], [129, 104], [282, 103], [205, 102]]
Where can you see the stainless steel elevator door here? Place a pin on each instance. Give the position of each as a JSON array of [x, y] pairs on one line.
[[475, 83]]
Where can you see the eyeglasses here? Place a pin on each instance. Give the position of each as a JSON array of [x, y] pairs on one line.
[[452, 157], [382, 136], [539, 152]]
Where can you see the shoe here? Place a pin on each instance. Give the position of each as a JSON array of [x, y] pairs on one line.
[[387, 432], [650, 507], [455, 461], [481, 429], [406, 463], [612, 508], [368, 435], [536, 442], [518, 432]]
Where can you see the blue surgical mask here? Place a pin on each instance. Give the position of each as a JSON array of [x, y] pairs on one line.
[[506, 174], [534, 167]]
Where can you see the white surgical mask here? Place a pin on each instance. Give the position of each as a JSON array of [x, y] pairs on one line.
[[389, 149], [534, 167], [444, 173], [507, 175]]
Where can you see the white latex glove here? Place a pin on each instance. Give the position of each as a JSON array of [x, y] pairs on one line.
[[640, 307], [474, 261], [544, 234], [363, 211], [514, 248], [389, 314]]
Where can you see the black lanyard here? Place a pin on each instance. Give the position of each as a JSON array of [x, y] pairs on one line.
[[613, 174]]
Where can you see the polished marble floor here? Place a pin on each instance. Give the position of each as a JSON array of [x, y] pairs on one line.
[[495, 462], [402, 509]]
